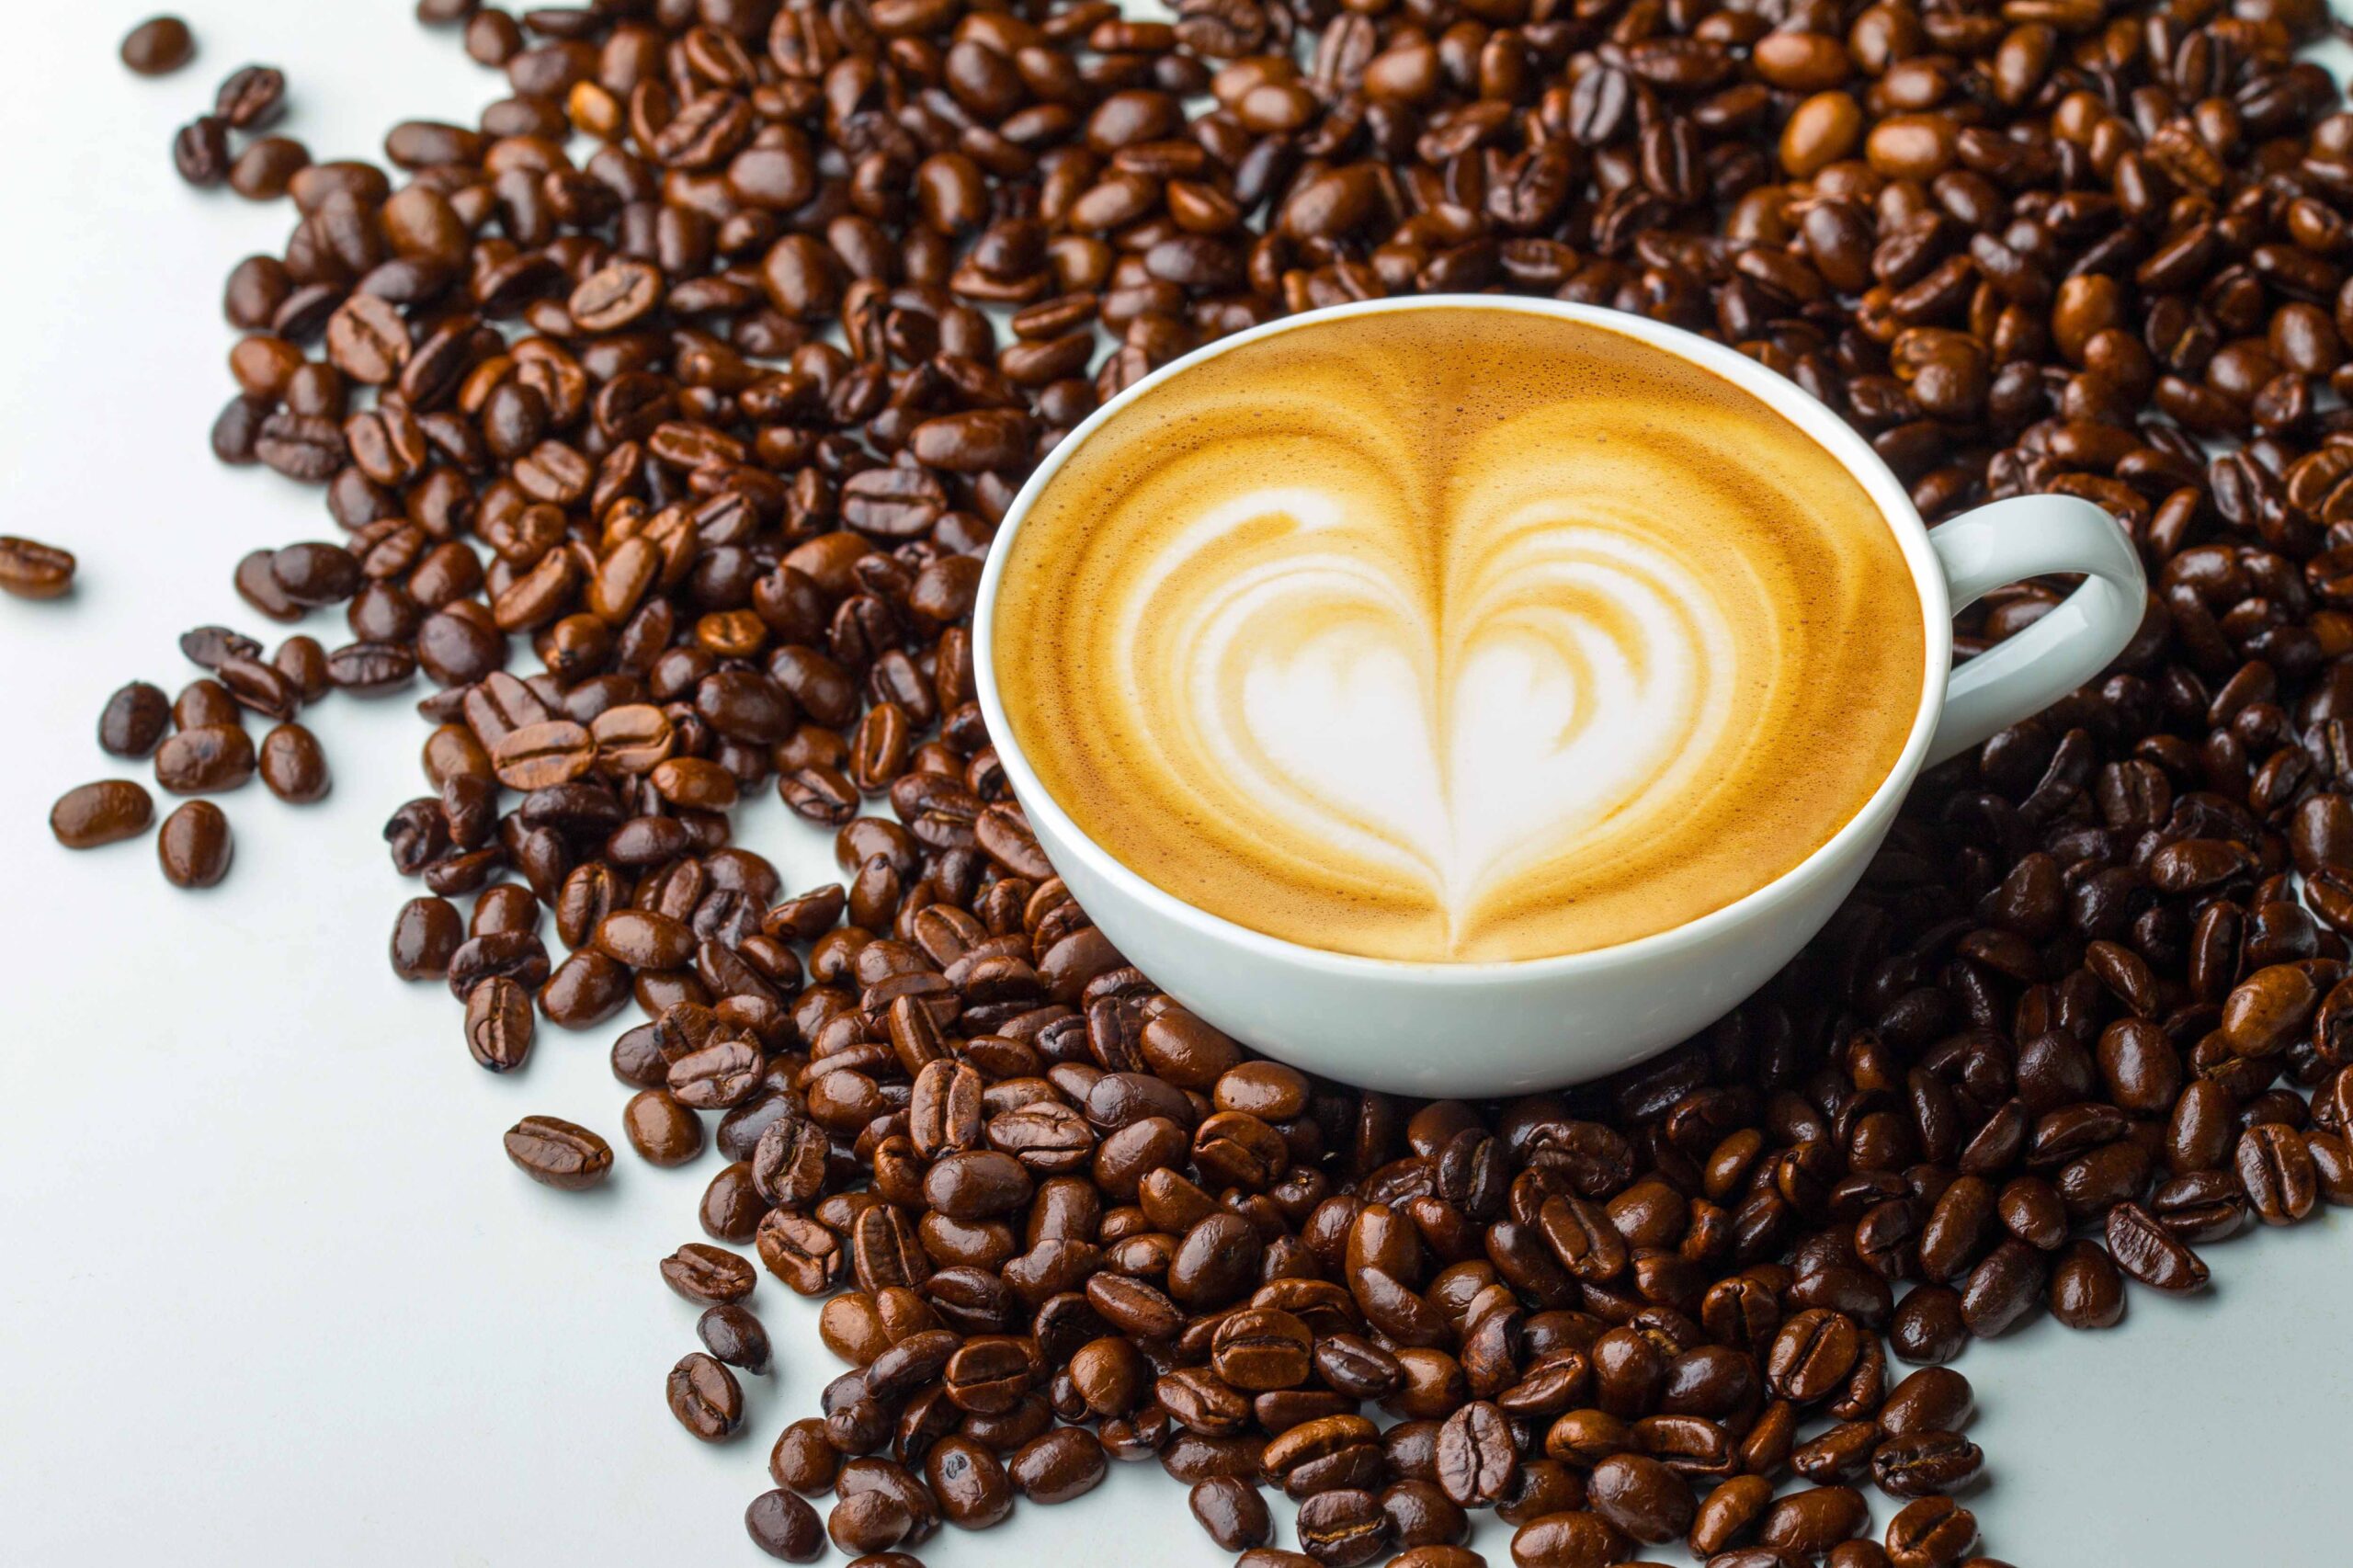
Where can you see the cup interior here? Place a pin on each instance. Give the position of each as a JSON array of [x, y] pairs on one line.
[[1825, 428]]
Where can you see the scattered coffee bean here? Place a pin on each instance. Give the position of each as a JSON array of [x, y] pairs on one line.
[[31, 570], [1232, 1512], [732, 1334], [134, 720], [293, 765], [194, 845], [104, 812], [662, 1131], [706, 1398], [558, 1153], [200, 152], [784, 1526], [252, 98], [206, 758], [158, 46]]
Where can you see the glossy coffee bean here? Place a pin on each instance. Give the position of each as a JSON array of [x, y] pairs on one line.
[[705, 1398], [194, 845], [158, 46], [106, 812], [785, 1527], [733, 1334], [555, 1152]]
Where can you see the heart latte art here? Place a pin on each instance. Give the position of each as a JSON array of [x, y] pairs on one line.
[[1456, 634]]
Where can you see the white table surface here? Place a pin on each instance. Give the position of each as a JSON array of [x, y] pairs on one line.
[[269, 1290]]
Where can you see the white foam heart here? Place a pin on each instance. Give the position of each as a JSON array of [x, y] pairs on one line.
[[1467, 719]]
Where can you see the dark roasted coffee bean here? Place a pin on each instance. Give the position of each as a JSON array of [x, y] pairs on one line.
[[1232, 1512], [869, 1522], [1059, 1465], [560, 1153], [1344, 1527], [31, 570], [969, 1482], [134, 720], [200, 152], [662, 1131], [2145, 1250], [251, 97], [803, 1459], [194, 845], [707, 1274], [158, 46], [106, 812], [1934, 1532], [206, 759], [1924, 1464], [783, 1526], [1478, 1458], [293, 765], [706, 1398], [499, 1024]]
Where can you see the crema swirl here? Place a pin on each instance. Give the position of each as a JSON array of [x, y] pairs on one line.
[[1456, 634]]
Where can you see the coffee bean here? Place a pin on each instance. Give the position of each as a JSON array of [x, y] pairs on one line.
[[1568, 1539], [869, 1522], [200, 152], [31, 570], [104, 812], [1478, 1459], [266, 168], [2087, 1290], [710, 1275], [1058, 1465], [1924, 1464], [1343, 1526], [542, 756], [205, 759], [251, 97], [1810, 1522], [158, 46], [663, 1131], [194, 845], [1933, 1532], [804, 1460], [1640, 1497], [1932, 1399], [971, 1486], [2143, 1249], [706, 1398], [784, 1526], [134, 720], [1233, 1513], [293, 765], [735, 1335], [555, 1152], [499, 1024]]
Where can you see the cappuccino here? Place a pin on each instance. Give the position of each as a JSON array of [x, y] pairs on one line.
[[1456, 635]]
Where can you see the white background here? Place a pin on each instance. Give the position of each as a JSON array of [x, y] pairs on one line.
[[269, 1290]]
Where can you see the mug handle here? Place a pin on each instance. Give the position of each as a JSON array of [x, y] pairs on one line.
[[2007, 542]]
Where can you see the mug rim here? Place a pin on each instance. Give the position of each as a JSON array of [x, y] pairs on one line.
[[1780, 396]]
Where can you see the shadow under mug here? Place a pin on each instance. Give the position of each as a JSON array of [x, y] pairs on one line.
[[1439, 1028]]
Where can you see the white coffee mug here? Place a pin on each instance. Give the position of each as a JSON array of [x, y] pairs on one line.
[[1441, 1028]]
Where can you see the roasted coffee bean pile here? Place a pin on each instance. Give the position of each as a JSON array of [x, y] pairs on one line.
[[711, 406]]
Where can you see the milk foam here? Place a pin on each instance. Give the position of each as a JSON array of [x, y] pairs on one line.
[[1392, 646]]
